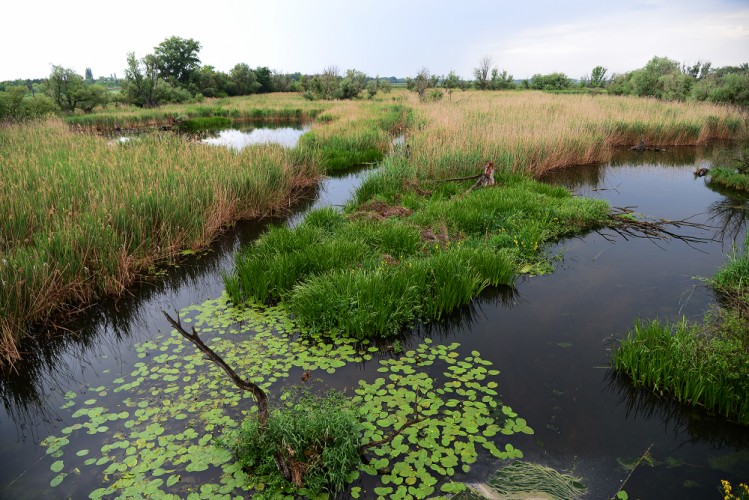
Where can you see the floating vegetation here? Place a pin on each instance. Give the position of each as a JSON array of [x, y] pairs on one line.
[[442, 412], [154, 431], [527, 480]]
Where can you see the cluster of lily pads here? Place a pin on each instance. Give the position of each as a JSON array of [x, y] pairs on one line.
[[153, 431]]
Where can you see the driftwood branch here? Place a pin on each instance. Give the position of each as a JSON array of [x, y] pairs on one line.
[[486, 178], [622, 221], [258, 393]]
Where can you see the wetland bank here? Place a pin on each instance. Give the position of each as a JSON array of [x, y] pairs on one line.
[[499, 373]]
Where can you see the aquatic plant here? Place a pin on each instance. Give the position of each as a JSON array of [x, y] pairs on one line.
[[442, 413], [316, 435], [153, 431], [690, 363]]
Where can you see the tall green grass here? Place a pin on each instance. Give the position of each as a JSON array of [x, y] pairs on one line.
[[691, 364], [729, 178], [365, 274]]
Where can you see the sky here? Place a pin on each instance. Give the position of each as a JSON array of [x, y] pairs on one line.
[[383, 37]]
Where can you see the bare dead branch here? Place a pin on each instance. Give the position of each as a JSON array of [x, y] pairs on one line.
[[623, 222], [258, 393]]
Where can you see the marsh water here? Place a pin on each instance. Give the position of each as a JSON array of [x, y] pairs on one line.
[[551, 339]]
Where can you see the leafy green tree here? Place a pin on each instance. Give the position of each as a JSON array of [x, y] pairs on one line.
[[481, 73], [598, 76], [66, 88], [142, 86], [372, 88], [11, 103], [209, 82], [281, 81], [89, 76], [91, 96], [177, 59], [242, 80], [552, 81], [501, 81], [648, 80], [351, 85], [451, 82], [264, 77]]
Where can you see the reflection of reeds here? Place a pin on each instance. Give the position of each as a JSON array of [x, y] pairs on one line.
[[81, 216]]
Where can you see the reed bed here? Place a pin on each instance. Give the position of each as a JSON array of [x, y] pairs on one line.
[[278, 107], [82, 216], [535, 132]]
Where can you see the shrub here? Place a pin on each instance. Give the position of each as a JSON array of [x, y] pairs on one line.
[[317, 436]]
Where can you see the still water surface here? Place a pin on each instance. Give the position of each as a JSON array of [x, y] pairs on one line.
[[551, 339]]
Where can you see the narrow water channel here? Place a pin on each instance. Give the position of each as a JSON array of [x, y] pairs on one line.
[[550, 339]]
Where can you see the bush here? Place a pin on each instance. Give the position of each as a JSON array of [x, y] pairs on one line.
[[317, 436]]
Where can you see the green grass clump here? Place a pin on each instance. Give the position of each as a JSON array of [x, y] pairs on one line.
[[730, 178], [733, 278], [317, 436], [700, 365], [383, 267]]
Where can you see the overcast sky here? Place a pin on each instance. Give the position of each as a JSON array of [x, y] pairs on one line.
[[383, 37]]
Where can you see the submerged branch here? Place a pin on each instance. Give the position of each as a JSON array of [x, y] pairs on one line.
[[622, 221], [258, 393]]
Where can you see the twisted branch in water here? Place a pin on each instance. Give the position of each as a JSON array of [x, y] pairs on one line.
[[623, 222]]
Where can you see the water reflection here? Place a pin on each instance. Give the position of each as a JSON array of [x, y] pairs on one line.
[[729, 214], [241, 137], [677, 419]]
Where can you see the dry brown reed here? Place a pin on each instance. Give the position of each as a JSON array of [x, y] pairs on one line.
[[535, 132]]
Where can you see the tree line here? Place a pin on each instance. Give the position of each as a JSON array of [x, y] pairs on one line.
[[173, 74]]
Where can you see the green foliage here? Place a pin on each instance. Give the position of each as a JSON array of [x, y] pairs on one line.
[[16, 105], [317, 436], [552, 81], [177, 59], [695, 364], [445, 412], [732, 279], [70, 92]]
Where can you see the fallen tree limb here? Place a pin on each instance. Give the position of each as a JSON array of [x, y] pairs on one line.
[[622, 220], [258, 393]]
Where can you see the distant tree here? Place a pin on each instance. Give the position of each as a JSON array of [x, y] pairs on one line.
[[501, 81], [89, 76], [65, 87], [552, 81], [177, 59], [649, 81], [372, 88], [142, 86], [264, 77], [451, 82], [242, 80], [11, 103], [92, 96], [209, 82], [351, 85], [281, 81], [421, 82], [598, 76], [698, 71], [482, 73]]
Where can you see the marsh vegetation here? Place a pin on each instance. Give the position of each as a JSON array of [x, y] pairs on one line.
[[409, 250]]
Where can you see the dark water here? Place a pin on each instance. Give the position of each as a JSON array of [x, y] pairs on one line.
[[551, 339]]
